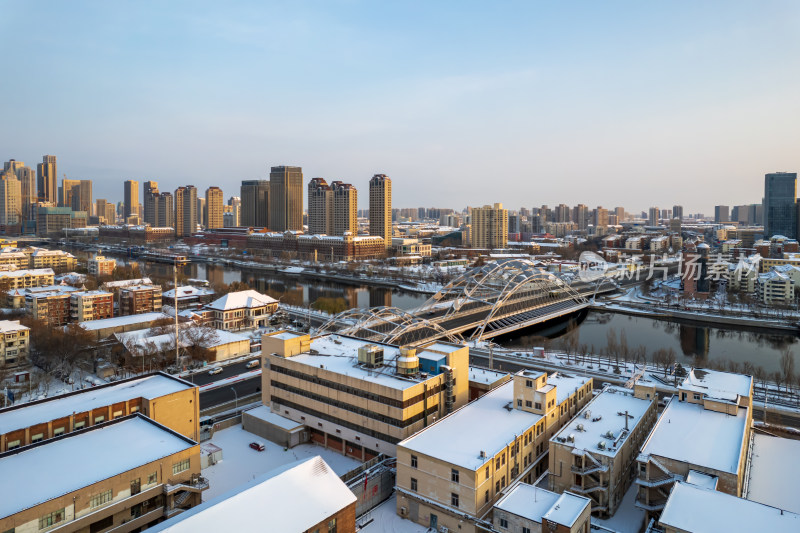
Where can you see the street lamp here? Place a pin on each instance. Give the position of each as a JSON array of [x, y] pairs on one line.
[[236, 396]]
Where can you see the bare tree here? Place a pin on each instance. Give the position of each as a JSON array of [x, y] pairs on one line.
[[787, 368]]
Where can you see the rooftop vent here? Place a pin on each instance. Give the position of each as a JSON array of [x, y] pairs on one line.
[[601, 445], [587, 414], [370, 355], [609, 434], [579, 427], [482, 455], [571, 437]]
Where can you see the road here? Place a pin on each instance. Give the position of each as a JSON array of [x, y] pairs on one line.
[[225, 394], [234, 369]]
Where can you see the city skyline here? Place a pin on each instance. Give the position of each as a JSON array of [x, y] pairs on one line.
[[686, 95]]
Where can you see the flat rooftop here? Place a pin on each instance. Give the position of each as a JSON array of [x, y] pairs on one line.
[[691, 508], [528, 502], [716, 438], [774, 471], [266, 414], [29, 414], [118, 321], [603, 420], [287, 335], [111, 449], [566, 385], [716, 384], [488, 424], [485, 376], [289, 499], [442, 347], [567, 509]]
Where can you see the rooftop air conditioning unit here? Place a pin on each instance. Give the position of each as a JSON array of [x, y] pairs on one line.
[[601, 445], [579, 427], [482, 455], [587, 414], [571, 437], [403, 511], [370, 355], [609, 434]]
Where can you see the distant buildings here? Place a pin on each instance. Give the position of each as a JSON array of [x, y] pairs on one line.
[[490, 227], [286, 198], [46, 178], [722, 214], [380, 208], [780, 204], [652, 217], [185, 210], [138, 299], [10, 200], [255, 203], [131, 194], [332, 209], [150, 198], [214, 211]]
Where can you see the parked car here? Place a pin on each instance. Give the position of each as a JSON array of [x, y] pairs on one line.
[[214, 371], [253, 364], [257, 446]]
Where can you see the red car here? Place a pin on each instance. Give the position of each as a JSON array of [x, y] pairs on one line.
[[257, 446]]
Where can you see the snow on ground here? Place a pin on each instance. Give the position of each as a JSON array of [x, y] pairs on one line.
[[628, 518], [241, 463], [386, 520]]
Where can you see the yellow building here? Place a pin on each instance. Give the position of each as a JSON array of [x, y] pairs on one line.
[[450, 474], [214, 204], [24, 279], [489, 227], [242, 310], [380, 208], [530, 508], [101, 266], [357, 397], [14, 343]]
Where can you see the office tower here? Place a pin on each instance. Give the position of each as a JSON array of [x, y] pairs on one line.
[[489, 227], [620, 212], [131, 198], [80, 197], [677, 211], [65, 192], [780, 204], [106, 210], [214, 202], [150, 201], [185, 211], [320, 207], [652, 218], [721, 213], [562, 213], [601, 217], [236, 209], [27, 180], [580, 216], [165, 210], [345, 208], [10, 197], [285, 198], [380, 208], [46, 177], [201, 211], [255, 203]]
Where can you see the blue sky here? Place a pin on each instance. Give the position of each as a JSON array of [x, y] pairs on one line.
[[461, 103]]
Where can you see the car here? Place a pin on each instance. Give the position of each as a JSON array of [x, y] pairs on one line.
[[214, 371], [258, 446], [253, 364]]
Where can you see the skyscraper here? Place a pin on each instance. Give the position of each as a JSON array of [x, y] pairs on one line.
[[81, 197], [620, 212], [580, 216], [652, 218], [285, 198], [185, 210], [214, 203], [600, 217], [150, 201], [106, 210], [236, 211], [677, 211], [255, 203], [380, 208], [65, 192], [780, 204], [131, 198], [722, 213], [489, 227], [345, 208], [320, 207], [10, 196], [562, 213], [46, 177], [165, 210]]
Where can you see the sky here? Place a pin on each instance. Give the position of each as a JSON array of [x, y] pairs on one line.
[[461, 103]]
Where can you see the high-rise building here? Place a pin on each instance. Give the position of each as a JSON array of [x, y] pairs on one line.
[[27, 180], [165, 210], [489, 227], [580, 216], [234, 220], [380, 208], [722, 213], [345, 208], [601, 217], [65, 192], [562, 213], [150, 201], [10, 197], [320, 207], [131, 198], [780, 204], [285, 198], [255, 203], [81, 197], [214, 202], [620, 212], [106, 210], [46, 177], [185, 211], [677, 211], [201, 211], [652, 218]]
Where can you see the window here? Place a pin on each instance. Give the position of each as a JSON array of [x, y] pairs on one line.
[[696, 396], [538, 405], [503, 458], [182, 466], [497, 487], [519, 403], [454, 475], [497, 464], [486, 497], [99, 419], [117, 414], [13, 444], [504, 523], [529, 383], [413, 461], [79, 425], [51, 519], [526, 530], [528, 404], [454, 499], [487, 472], [414, 484], [99, 499], [37, 437], [503, 481], [332, 525], [58, 431], [152, 478]]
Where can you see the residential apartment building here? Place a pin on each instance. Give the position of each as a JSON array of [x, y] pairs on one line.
[[380, 208], [81, 199], [137, 299], [131, 195], [187, 297], [286, 198], [55, 259], [318, 247], [594, 455], [320, 207], [242, 310], [527, 509], [165, 211], [106, 210], [101, 266], [168, 400], [345, 209], [14, 343], [214, 205], [23, 279], [141, 472], [451, 473], [358, 397], [202, 213], [489, 227], [775, 288], [255, 203], [10, 200], [52, 306], [185, 211], [150, 203], [90, 305]]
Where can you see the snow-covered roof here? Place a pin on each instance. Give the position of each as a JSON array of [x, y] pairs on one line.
[[287, 335], [443, 347], [241, 299], [119, 321], [289, 499], [603, 420], [566, 385], [485, 376], [527, 501], [111, 449], [10, 326], [716, 438], [28, 272], [460, 437], [701, 479], [567, 509], [127, 282], [774, 471], [188, 291], [264, 413], [29, 414], [718, 385], [699, 510], [224, 337]]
